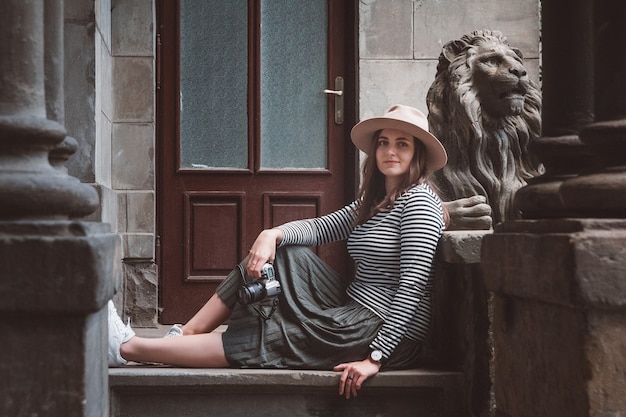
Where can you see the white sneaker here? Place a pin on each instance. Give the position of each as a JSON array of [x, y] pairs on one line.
[[118, 333], [176, 330]]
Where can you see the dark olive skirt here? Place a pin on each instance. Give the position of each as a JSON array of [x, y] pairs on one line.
[[313, 324]]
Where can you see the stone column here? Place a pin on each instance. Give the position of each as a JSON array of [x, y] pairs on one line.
[[54, 77], [558, 276], [56, 274], [602, 192], [568, 105]]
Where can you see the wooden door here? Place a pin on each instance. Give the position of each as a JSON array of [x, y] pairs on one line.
[[247, 137]]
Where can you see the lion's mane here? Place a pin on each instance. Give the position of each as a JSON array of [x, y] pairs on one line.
[[488, 155]]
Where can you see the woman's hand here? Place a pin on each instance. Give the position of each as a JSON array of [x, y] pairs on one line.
[[263, 250], [354, 375]]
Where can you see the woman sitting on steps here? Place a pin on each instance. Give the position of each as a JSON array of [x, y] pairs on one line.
[[357, 326]]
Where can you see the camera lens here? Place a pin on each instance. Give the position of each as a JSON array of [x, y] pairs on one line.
[[251, 293]]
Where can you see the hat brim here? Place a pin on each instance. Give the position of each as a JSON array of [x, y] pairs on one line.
[[363, 134]]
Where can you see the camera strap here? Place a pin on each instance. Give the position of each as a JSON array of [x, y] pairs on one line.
[[258, 309], [269, 315]]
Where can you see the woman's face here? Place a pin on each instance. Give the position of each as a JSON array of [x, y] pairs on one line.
[[394, 152]]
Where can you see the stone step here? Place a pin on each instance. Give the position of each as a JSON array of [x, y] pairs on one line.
[[159, 391]]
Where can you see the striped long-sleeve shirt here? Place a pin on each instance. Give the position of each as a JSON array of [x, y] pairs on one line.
[[393, 253]]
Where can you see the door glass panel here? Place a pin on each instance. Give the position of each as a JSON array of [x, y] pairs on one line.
[[293, 76], [213, 84]]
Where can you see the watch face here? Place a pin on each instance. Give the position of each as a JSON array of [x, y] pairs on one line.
[[376, 355]]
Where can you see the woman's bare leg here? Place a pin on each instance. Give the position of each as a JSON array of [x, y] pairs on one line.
[[212, 314], [198, 351]]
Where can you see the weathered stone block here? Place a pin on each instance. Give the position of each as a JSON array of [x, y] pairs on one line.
[[511, 262], [391, 82], [584, 261], [560, 317], [122, 214], [138, 245], [133, 74], [601, 267], [140, 209], [55, 280], [435, 19], [133, 155], [78, 9], [386, 29], [53, 364], [131, 26], [102, 10], [606, 354], [462, 246], [109, 207], [80, 91], [540, 364], [57, 266], [104, 79], [103, 143], [141, 283]]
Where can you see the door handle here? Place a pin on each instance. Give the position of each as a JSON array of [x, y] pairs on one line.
[[338, 93]]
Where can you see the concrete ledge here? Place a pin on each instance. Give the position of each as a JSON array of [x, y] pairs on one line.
[[164, 376], [160, 391]]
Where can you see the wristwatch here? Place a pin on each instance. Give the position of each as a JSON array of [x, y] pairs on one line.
[[376, 355]]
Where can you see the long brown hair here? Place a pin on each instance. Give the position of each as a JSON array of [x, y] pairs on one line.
[[372, 193]]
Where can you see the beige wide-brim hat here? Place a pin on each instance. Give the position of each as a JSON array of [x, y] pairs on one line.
[[409, 120]]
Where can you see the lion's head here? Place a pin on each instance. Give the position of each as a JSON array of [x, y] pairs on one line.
[[485, 110]]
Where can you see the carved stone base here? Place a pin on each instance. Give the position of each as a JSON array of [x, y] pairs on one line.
[[55, 280], [601, 193], [560, 316], [29, 186], [563, 158]]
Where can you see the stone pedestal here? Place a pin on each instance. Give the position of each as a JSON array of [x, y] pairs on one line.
[[56, 274], [460, 337], [55, 279], [559, 317]]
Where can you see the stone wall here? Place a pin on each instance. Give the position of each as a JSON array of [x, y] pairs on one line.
[[110, 108], [400, 42], [133, 150]]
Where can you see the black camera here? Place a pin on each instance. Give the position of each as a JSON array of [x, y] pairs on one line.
[[265, 287]]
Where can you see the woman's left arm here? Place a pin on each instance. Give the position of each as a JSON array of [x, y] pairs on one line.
[[421, 227]]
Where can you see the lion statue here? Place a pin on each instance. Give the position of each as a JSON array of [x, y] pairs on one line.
[[485, 110]]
